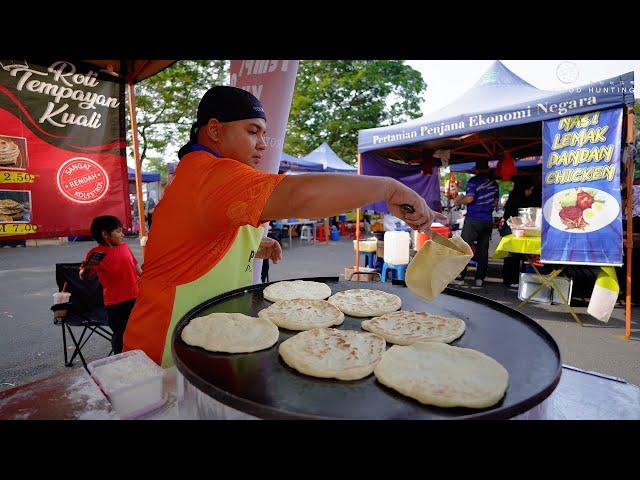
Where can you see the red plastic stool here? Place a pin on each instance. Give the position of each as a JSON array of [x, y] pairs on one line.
[[321, 237]]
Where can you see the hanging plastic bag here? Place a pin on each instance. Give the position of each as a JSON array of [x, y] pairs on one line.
[[506, 167]]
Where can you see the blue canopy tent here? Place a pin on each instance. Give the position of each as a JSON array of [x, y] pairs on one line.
[[328, 160], [289, 163], [152, 184], [147, 177], [501, 113]]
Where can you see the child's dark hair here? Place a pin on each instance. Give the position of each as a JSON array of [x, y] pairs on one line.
[[106, 223]]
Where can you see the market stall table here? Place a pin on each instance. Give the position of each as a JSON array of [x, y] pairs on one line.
[[580, 395], [74, 395], [289, 224], [532, 246], [71, 395]]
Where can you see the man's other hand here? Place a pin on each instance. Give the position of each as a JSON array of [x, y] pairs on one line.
[[269, 249]]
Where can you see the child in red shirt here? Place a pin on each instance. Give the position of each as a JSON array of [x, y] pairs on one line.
[[117, 270]]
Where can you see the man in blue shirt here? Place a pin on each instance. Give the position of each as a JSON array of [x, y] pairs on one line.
[[481, 200]]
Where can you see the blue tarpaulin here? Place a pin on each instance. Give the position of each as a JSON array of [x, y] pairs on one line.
[[498, 99], [147, 177]]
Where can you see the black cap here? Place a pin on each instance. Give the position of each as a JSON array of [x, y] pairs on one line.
[[228, 104]]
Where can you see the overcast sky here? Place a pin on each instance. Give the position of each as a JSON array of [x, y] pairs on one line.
[[449, 79]]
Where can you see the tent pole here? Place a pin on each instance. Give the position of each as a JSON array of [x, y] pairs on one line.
[[630, 168], [358, 227], [136, 156], [449, 202]]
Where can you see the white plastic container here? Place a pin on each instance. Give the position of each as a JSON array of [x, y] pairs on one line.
[[61, 297], [538, 219], [396, 247], [131, 381], [530, 283], [369, 245]]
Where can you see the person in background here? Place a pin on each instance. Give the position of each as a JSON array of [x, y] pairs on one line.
[[366, 221], [520, 197], [149, 208], [118, 272], [481, 200]]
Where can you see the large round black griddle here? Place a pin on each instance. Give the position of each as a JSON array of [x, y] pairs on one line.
[[262, 385]]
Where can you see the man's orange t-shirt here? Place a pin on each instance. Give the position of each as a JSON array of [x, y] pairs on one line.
[[202, 213]]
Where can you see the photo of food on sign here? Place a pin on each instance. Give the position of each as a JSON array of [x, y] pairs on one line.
[[13, 152], [15, 206], [581, 210]]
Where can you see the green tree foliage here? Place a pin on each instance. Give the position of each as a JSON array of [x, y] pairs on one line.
[[157, 164], [166, 106], [334, 99]]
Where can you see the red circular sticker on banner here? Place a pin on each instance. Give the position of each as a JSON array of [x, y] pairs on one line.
[[82, 180]]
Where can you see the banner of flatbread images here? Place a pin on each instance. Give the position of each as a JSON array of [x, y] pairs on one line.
[[581, 189], [62, 149]]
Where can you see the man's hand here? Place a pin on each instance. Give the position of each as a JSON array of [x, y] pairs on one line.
[[269, 248], [463, 200], [422, 217]]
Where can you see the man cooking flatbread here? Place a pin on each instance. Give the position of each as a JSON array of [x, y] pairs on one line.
[[207, 226]]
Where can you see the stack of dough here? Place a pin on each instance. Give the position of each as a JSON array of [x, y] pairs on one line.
[[435, 266], [230, 332], [405, 327], [302, 314], [362, 302], [332, 353], [9, 152], [10, 210], [439, 374], [296, 289]]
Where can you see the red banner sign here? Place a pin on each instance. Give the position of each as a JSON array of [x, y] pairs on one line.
[[62, 149], [272, 82]]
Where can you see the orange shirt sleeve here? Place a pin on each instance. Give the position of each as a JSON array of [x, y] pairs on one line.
[[230, 193]]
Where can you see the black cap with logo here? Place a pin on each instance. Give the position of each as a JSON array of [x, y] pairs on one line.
[[226, 104]]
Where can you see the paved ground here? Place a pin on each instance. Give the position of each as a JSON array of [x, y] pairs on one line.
[[31, 346]]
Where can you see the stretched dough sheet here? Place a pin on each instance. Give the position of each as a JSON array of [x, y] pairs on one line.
[[435, 266]]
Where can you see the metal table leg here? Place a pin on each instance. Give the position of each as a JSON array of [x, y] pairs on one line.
[[549, 281]]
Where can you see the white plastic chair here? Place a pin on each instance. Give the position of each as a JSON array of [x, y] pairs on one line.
[[306, 233]]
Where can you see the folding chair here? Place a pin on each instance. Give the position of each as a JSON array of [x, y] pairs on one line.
[[85, 309]]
